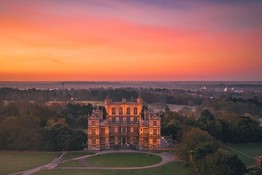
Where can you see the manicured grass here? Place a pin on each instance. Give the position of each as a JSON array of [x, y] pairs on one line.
[[124, 160], [74, 163], [15, 161], [118, 160], [252, 150], [71, 155], [169, 169]]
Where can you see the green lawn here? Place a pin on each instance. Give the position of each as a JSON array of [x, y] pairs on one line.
[[74, 154], [124, 160], [74, 163], [15, 161], [169, 169], [252, 150], [118, 160]]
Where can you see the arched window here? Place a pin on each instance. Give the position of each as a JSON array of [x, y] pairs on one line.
[[127, 111], [113, 111], [135, 111], [120, 111]]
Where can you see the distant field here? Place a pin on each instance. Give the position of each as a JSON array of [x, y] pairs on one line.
[[99, 103], [169, 169], [251, 150], [15, 161], [173, 107]]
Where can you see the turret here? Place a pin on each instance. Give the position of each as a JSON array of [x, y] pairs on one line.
[[107, 100], [139, 100]]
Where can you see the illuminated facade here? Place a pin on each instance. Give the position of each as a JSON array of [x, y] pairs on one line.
[[124, 127]]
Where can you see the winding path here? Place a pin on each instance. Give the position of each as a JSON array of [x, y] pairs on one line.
[[166, 158], [50, 165]]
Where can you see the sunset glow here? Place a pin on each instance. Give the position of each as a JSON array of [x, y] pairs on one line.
[[55, 40]]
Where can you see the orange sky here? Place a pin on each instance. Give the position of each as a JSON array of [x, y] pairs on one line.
[[98, 40]]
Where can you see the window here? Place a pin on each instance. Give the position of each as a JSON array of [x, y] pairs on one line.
[[154, 122], [102, 131], [121, 119], [154, 140], [113, 111], [135, 111], [155, 131], [120, 111], [103, 140], [93, 141], [93, 123], [128, 130], [135, 119], [135, 129], [127, 111], [113, 119], [93, 131]]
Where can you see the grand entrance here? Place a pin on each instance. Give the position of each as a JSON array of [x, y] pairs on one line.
[[123, 141]]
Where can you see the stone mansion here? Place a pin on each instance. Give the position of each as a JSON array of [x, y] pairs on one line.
[[124, 126]]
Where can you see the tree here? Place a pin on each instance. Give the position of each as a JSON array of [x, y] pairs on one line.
[[20, 133], [62, 137], [227, 163]]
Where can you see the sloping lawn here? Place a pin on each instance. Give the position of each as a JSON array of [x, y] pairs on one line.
[[251, 149]]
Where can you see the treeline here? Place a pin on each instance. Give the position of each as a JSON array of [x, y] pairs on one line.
[[149, 95], [231, 128], [224, 126], [207, 155], [200, 138], [34, 126], [239, 104]]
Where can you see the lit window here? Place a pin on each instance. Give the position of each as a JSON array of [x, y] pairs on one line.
[[93, 131], [154, 131], [154, 140], [113, 111], [135, 111], [120, 111], [128, 111]]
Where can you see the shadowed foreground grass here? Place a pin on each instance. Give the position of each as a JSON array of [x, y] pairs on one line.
[[15, 161], [169, 169]]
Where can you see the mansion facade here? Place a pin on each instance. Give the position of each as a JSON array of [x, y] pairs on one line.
[[124, 126]]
